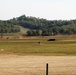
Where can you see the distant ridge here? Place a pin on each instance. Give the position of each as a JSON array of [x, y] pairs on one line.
[[47, 27]]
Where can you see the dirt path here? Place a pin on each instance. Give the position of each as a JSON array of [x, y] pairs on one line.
[[35, 65]]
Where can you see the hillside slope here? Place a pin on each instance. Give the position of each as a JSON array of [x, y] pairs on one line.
[[22, 31], [48, 27]]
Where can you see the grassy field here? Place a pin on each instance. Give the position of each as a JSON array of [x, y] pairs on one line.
[[30, 46]]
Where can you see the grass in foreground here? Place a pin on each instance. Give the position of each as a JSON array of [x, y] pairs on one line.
[[32, 47]]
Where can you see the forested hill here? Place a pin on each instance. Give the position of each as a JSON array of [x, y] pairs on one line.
[[47, 27]]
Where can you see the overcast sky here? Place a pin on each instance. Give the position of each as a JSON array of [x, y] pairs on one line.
[[47, 9]]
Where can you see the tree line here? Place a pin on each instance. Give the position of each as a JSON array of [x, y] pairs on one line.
[[38, 26], [8, 27], [45, 27]]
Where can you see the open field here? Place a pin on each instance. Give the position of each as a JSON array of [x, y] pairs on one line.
[[35, 65], [28, 57], [30, 46]]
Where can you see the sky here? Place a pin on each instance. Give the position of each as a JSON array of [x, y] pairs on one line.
[[47, 9]]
